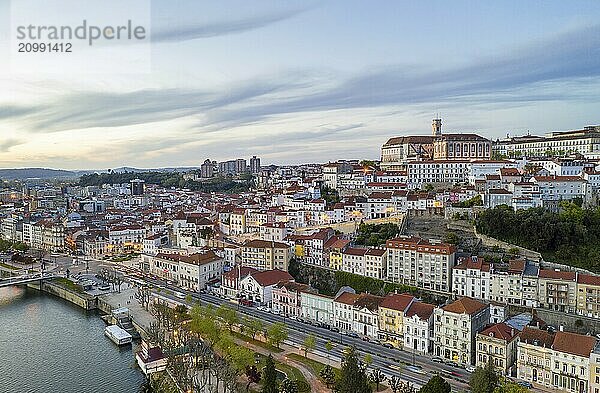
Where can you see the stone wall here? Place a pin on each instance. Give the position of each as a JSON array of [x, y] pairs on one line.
[[570, 322], [85, 301]]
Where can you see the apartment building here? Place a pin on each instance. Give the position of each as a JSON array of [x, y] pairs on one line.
[[317, 307], [391, 318], [588, 295], [455, 328], [472, 278], [498, 344], [418, 328], [192, 271], [557, 290], [124, 238], [287, 297], [534, 356], [421, 263], [422, 173], [266, 255], [47, 235], [557, 361]]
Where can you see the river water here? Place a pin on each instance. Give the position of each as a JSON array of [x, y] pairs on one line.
[[48, 345]]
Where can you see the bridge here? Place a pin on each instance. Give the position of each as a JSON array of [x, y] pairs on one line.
[[20, 280]]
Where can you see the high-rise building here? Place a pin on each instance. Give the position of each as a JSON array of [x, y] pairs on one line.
[[240, 165], [206, 169], [254, 165], [137, 187]]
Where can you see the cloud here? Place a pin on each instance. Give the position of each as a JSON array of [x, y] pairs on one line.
[[7, 144], [186, 33], [554, 69]]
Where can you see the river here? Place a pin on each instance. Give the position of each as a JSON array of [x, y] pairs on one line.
[[48, 345]]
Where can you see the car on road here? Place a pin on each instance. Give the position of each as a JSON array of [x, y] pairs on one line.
[[415, 369], [470, 369], [437, 359], [365, 338], [334, 329], [261, 308], [376, 341], [352, 334], [180, 295], [388, 345], [525, 384], [396, 367]]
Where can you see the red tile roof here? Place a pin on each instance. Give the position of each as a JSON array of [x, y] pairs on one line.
[[465, 305], [271, 277], [557, 275], [398, 302], [575, 344], [501, 331], [422, 310]]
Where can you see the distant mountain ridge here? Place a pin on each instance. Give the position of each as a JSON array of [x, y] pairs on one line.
[[47, 173]]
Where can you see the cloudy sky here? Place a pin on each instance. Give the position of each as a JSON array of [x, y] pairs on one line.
[[304, 81]]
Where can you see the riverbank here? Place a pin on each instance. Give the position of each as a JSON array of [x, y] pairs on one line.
[[104, 303], [52, 345]]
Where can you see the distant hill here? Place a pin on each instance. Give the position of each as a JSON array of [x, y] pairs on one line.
[[37, 173], [46, 173]]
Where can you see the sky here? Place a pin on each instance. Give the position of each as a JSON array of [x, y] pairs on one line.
[[308, 81]]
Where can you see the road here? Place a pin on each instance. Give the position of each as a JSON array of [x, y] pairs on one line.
[[382, 357]]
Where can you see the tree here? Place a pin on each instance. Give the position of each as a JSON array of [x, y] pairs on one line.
[[368, 360], [328, 348], [277, 333], [451, 237], [253, 326], [228, 315], [327, 375], [507, 386], [288, 386], [353, 378], [377, 377], [436, 384], [270, 377], [310, 342], [253, 376], [484, 380], [143, 296]]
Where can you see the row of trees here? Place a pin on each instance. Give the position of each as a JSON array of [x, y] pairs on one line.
[[200, 345], [7, 245], [571, 236], [171, 179]]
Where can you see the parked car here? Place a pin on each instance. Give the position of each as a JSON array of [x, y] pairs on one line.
[[396, 367], [334, 329], [365, 338], [471, 369], [375, 341], [262, 308], [352, 334], [388, 345], [525, 384], [437, 359]]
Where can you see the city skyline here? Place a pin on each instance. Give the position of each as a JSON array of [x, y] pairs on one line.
[[287, 81]]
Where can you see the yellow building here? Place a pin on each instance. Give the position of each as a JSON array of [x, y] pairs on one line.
[[588, 295], [391, 318], [335, 253]]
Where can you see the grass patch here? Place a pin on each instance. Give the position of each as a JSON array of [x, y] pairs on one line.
[[291, 372], [258, 343], [68, 284], [4, 265]]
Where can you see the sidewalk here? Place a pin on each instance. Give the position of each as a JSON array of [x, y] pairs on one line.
[[315, 384]]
